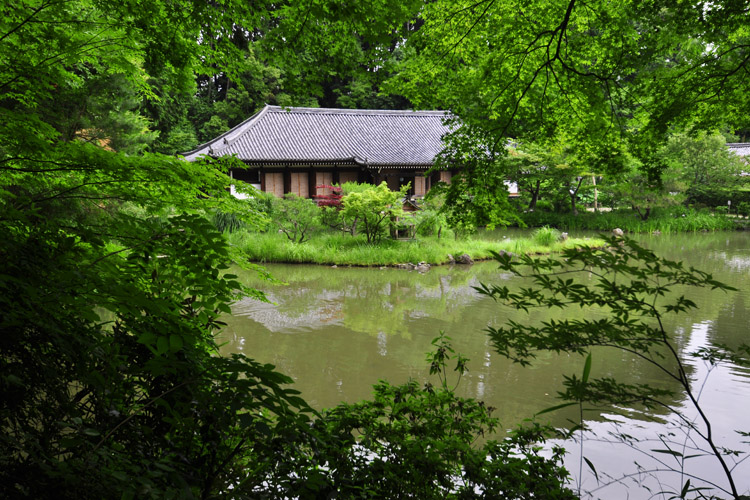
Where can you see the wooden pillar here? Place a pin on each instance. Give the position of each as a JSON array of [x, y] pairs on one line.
[[311, 181], [287, 181]]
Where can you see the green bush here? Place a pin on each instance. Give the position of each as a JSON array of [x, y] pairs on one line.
[[374, 208], [712, 196], [430, 222], [546, 236], [296, 217], [261, 202], [544, 206]]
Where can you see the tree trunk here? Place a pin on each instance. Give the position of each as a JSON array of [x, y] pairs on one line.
[[573, 195], [643, 215], [573, 203], [534, 196], [596, 194]]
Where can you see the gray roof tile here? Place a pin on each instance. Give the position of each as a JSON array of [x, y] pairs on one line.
[[368, 137], [739, 148]]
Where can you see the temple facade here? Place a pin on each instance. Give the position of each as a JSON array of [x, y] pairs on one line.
[[293, 150]]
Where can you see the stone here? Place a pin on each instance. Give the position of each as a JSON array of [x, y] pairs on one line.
[[465, 259], [451, 260], [618, 233], [422, 267], [563, 236]]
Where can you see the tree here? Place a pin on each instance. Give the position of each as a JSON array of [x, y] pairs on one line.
[[528, 168], [374, 209], [477, 195], [296, 217], [707, 172], [620, 78], [645, 196]]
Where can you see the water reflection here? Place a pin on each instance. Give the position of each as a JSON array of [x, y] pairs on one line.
[[338, 331]]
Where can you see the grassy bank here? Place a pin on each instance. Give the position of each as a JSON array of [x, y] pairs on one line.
[[346, 250], [672, 221]]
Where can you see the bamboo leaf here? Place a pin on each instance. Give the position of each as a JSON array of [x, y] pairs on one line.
[[593, 469], [586, 369], [685, 489]]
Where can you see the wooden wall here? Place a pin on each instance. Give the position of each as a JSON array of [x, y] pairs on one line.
[[274, 183], [299, 184], [303, 183]]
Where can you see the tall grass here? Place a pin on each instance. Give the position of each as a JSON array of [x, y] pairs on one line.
[[681, 220], [546, 236], [346, 250]]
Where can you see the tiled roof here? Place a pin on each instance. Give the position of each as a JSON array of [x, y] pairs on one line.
[[321, 135], [739, 148]]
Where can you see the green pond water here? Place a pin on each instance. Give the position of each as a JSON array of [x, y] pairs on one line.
[[337, 331]]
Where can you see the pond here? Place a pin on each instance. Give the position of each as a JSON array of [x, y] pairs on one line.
[[337, 331]]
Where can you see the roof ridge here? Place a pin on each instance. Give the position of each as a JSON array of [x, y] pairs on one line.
[[363, 112]]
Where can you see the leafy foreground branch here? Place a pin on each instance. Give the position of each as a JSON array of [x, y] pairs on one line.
[[629, 291]]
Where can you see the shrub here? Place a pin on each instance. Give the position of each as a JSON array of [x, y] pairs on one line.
[[336, 219], [261, 202], [296, 217], [374, 208], [546, 236], [332, 199], [544, 206], [430, 220]]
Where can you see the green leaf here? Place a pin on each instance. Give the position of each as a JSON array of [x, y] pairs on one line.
[[586, 369], [175, 342], [685, 489], [593, 469], [668, 452], [162, 345]]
